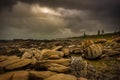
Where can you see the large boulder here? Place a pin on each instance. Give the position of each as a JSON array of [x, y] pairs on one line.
[[61, 77], [92, 51]]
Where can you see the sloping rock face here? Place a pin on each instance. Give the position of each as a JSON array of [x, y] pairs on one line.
[[12, 63], [62, 77], [35, 75], [16, 75], [21, 75], [62, 61], [20, 64]]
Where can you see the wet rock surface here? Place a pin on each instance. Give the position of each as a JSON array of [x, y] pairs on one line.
[[60, 60]]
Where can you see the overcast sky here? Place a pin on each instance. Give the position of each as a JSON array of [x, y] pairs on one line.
[[48, 19]]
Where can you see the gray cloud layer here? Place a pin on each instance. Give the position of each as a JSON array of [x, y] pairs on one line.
[[67, 18]]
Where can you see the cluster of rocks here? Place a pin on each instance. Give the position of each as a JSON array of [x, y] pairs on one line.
[[29, 68], [67, 60], [35, 75]]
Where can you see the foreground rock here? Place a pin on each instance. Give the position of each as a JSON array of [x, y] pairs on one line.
[[6, 76], [110, 52], [32, 53], [81, 78], [65, 62], [19, 64], [3, 58], [66, 51], [61, 77], [40, 74], [57, 68], [51, 54], [117, 39], [57, 48], [101, 41], [93, 51], [13, 62], [16, 75], [8, 62], [21, 75]]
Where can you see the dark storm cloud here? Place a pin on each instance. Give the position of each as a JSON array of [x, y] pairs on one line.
[[97, 5], [78, 16], [7, 4], [108, 9]]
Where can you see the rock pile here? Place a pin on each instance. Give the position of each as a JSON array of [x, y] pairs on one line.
[[62, 60]]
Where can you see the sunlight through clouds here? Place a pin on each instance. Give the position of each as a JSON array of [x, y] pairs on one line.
[[38, 9]]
